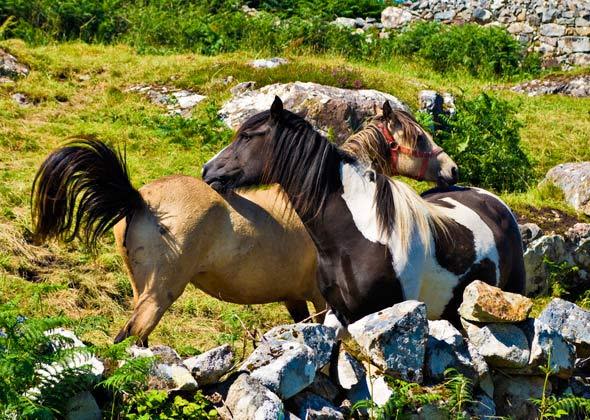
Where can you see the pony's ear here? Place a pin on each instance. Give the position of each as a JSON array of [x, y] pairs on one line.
[[387, 110], [276, 108]]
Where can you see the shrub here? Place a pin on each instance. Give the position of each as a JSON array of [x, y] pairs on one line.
[[483, 138], [481, 51]]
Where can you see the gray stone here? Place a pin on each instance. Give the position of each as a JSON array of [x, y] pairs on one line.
[[552, 29], [395, 17], [269, 63], [344, 22], [582, 22], [310, 406], [551, 247], [548, 14], [577, 44], [574, 180], [172, 377], [82, 406], [242, 87], [571, 321], [430, 412], [210, 366], [483, 407], [177, 101], [325, 107], [482, 15], [549, 346], [578, 242], [529, 232], [247, 398], [520, 28], [513, 395], [431, 102], [485, 382], [166, 354], [284, 367], [445, 16], [395, 339], [21, 99], [502, 345], [349, 371], [10, 66], [320, 338]]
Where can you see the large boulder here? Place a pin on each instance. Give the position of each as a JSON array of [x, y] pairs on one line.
[[318, 337], [485, 303], [571, 321], [10, 66], [326, 107], [395, 339], [209, 367], [284, 367], [552, 247], [502, 345], [574, 180], [247, 398]]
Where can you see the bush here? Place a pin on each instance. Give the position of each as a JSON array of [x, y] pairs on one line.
[[481, 51], [483, 138]]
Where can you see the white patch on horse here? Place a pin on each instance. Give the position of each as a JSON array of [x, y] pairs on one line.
[[359, 196]]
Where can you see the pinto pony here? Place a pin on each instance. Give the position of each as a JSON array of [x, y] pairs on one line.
[[378, 242], [246, 247]]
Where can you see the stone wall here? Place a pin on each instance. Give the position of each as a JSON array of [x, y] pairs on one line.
[[558, 29]]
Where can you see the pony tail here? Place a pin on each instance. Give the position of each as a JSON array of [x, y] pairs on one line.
[[81, 190]]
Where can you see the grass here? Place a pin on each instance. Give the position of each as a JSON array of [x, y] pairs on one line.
[[55, 278]]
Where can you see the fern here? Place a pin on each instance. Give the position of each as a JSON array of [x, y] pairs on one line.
[[461, 393]]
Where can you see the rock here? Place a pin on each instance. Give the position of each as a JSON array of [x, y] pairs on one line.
[[242, 87], [247, 398], [569, 320], [552, 29], [483, 407], [136, 351], [324, 387], [177, 101], [10, 66], [580, 387], [284, 367], [344, 22], [269, 63], [307, 405], [551, 247], [485, 303], [395, 339], [82, 406], [318, 337], [446, 349], [349, 371], [529, 232], [501, 345], [578, 243], [549, 346], [482, 15], [165, 354], [576, 86], [210, 366], [577, 44], [395, 17], [325, 107], [485, 382], [520, 28], [430, 412], [445, 16], [20, 99], [513, 395], [171, 377], [430, 101], [574, 180]]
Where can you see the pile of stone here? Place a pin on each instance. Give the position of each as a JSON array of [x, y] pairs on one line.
[[327, 108], [10, 67], [177, 101], [578, 87], [301, 371], [559, 30], [573, 247]]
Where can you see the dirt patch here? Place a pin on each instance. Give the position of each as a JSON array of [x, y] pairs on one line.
[[548, 219]]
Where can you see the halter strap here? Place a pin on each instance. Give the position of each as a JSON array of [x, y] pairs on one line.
[[396, 149]]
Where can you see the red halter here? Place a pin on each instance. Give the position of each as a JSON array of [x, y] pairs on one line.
[[397, 149]]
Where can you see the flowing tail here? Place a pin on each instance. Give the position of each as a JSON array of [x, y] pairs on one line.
[[81, 191]]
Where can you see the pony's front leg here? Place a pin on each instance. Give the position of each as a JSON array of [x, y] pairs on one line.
[[150, 307]]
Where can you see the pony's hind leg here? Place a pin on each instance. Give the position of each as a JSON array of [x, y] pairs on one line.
[[297, 309]]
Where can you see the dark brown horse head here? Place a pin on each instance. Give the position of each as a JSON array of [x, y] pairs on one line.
[[394, 143]]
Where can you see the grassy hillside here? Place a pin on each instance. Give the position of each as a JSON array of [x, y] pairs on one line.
[[78, 88]]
